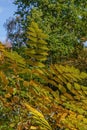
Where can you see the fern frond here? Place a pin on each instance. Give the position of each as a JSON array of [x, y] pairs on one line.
[[38, 117], [37, 46]]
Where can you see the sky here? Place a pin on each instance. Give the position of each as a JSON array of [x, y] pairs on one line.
[[7, 9]]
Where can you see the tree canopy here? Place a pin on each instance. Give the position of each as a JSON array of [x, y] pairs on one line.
[[64, 22]]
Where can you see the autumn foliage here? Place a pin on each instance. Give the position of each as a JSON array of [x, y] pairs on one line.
[[37, 96]]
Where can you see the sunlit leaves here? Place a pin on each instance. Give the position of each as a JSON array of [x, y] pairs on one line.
[[37, 50], [15, 58], [38, 118], [36, 97]]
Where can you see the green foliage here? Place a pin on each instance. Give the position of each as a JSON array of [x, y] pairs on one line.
[[37, 47], [63, 21], [80, 62]]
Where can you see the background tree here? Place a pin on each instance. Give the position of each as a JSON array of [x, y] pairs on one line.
[[15, 34], [64, 22]]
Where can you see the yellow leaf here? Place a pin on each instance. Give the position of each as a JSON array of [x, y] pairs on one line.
[[25, 83], [33, 110], [8, 95], [33, 128]]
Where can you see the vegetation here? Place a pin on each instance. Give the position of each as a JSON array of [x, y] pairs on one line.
[[37, 96], [64, 22], [43, 72]]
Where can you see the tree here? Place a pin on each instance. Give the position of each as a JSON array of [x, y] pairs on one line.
[[63, 21], [15, 34]]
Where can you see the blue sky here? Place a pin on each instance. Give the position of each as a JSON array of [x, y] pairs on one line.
[[7, 9]]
